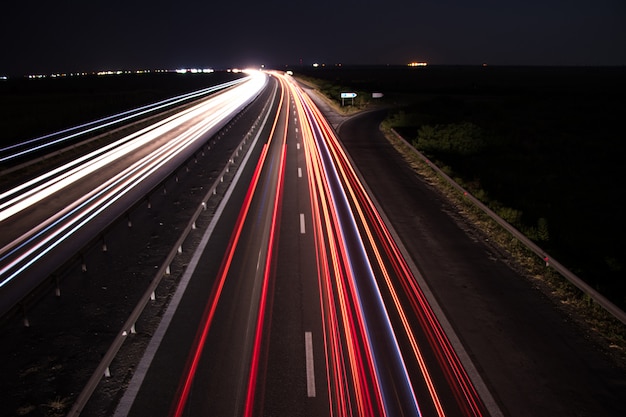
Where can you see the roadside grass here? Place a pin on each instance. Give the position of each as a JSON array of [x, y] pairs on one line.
[[591, 318], [57, 407], [25, 410]]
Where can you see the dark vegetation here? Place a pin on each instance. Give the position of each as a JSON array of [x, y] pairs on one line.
[[543, 147]]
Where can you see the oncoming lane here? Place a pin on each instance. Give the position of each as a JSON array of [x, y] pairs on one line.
[[49, 218]]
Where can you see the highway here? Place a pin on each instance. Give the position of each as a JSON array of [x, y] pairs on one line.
[[300, 302], [298, 299]]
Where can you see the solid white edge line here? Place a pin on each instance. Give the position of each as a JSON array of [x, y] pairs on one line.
[[310, 368]]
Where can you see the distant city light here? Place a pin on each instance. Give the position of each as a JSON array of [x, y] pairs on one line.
[[418, 64], [108, 72], [194, 70], [118, 72]]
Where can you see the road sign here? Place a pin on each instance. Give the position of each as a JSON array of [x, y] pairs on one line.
[[348, 95]]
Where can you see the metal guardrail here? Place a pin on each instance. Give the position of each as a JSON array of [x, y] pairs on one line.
[[557, 266]]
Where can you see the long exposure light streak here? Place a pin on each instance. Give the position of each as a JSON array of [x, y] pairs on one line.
[[254, 366]]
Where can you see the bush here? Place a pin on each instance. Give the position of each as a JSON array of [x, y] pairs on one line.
[[455, 138]]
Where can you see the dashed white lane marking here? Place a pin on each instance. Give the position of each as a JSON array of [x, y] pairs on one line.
[[302, 228], [310, 369], [299, 172]]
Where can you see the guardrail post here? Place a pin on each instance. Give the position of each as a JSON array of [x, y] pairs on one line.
[[25, 320]]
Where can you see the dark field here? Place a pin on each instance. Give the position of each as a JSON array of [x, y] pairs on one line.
[[543, 146]]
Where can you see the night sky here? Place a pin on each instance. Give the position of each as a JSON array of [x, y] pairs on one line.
[[90, 35]]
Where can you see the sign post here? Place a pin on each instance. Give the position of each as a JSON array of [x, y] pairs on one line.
[[347, 95]]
